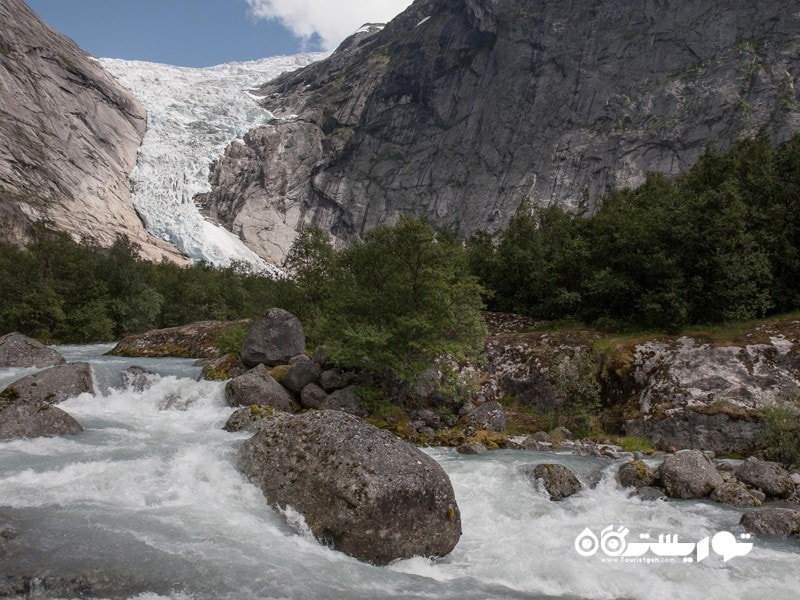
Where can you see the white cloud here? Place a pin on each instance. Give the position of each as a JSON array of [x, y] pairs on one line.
[[331, 20]]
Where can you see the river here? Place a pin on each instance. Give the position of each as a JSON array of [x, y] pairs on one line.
[[149, 495]]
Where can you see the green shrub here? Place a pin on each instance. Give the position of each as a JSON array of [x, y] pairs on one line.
[[782, 432], [231, 340]]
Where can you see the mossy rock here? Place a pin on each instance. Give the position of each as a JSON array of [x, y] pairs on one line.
[[279, 371]]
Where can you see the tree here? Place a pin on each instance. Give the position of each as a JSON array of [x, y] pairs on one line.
[[395, 301]]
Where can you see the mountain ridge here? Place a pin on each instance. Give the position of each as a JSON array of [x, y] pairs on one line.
[[462, 111]]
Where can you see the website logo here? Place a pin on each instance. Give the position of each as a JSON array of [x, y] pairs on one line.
[[668, 547]]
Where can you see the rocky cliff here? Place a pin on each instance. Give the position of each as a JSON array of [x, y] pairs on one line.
[[68, 139], [462, 110]]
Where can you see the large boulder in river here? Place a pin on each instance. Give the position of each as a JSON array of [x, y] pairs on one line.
[[689, 474], [360, 489], [769, 477], [636, 474], [17, 350], [258, 388], [557, 479], [273, 339], [53, 385], [35, 419], [772, 522], [735, 493]]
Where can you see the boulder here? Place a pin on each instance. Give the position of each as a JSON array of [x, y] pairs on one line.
[[735, 493], [558, 480], [53, 385], [35, 419], [250, 418], [336, 379], [302, 371], [650, 494], [471, 448], [769, 477], [488, 416], [17, 350], [772, 522], [196, 340], [560, 434], [360, 489], [636, 474], [688, 474], [430, 418], [222, 368], [345, 400], [273, 339], [312, 396], [257, 388]]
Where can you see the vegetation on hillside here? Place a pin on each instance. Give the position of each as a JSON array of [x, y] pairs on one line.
[[719, 243]]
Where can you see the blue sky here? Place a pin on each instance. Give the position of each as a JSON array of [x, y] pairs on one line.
[[198, 33]]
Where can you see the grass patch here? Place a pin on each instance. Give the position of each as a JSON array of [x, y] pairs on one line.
[[636, 443]]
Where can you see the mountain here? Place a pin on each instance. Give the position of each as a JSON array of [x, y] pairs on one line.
[[69, 136], [465, 110]]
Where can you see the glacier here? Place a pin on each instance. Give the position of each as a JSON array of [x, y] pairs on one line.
[[193, 114]]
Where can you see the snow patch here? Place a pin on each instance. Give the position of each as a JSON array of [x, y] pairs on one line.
[[192, 117], [425, 20]]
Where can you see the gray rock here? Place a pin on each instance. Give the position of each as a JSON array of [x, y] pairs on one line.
[[430, 418], [688, 474], [36, 419], [471, 448], [336, 379], [769, 477], [796, 478], [257, 387], [251, 418], [561, 434], [735, 493], [488, 416], [273, 339], [53, 385], [346, 400], [540, 436], [503, 75], [17, 350], [301, 372], [360, 489], [222, 368], [69, 138], [313, 396], [781, 522], [721, 433], [557, 479], [139, 379], [636, 474], [650, 494]]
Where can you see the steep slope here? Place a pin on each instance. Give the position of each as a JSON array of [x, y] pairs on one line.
[[68, 139], [193, 115], [463, 110]]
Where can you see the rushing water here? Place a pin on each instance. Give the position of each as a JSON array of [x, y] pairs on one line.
[[149, 494]]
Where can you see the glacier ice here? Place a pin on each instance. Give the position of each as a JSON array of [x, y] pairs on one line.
[[193, 115]]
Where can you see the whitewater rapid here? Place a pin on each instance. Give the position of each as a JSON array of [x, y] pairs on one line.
[[192, 117], [149, 492]]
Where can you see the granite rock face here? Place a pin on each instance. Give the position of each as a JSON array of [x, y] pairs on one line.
[[464, 110], [69, 135]]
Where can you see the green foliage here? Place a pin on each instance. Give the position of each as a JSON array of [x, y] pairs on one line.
[[60, 291], [782, 432], [720, 243], [575, 393], [231, 341], [391, 303], [636, 443]]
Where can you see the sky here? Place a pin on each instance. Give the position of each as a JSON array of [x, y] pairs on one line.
[[199, 33]]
